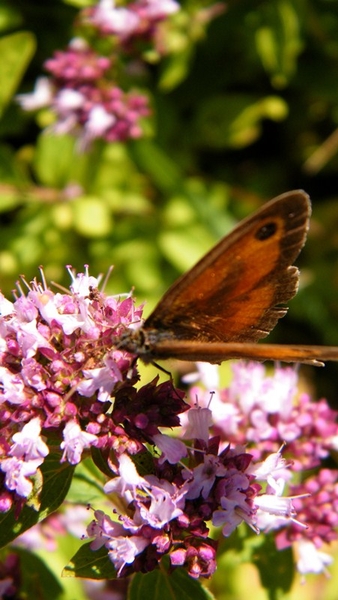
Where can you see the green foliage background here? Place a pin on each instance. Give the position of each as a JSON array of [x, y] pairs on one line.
[[243, 109]]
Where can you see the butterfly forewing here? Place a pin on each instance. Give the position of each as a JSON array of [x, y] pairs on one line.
[[233, 293], [232, 297]]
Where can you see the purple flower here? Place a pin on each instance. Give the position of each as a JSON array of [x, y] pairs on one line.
[[122, 551], [129, 480], [28, 443], [234, 502], [311, 560], [40, 98], [204, 477], [199, 422], [25, 456], [18, 472], [83, 90], [63, 375], [75, 441], [265, 411], [85, 99], [78, 65], [110, 19], [13, 388], [122, 545], [102, 379], [165, 500], [316, 503], [102, 528], [275, 505], [197, 556], [173, 450], [58, 367], [252, 388], [137, 20]]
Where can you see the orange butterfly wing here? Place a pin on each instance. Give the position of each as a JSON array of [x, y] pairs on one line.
[[233, 293]]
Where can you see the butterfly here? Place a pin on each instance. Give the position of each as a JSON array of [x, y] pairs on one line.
[[234, 295]]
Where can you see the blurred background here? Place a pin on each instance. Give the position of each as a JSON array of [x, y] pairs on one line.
[[244, 106]]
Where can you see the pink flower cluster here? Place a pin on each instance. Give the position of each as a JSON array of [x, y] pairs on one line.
[[83, 91], [77, 66], [58, 370], [168, 510], [263, 413], [319, 505], [137, 20], [84, 99]]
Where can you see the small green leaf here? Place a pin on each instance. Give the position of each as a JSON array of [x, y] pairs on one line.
[[279, 41], [235, 120], [53, 159], [37, 581], [79, 3], [34, 499], [183, 248], [161, 168], [175, 69], [10, 18], [16, 50], [276, 568], [90, 564], [87, 485], [92, 216], [162, 585], [56, 481], [100, 460], [144, 463]]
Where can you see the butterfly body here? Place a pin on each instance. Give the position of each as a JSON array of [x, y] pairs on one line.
[[234, 295]]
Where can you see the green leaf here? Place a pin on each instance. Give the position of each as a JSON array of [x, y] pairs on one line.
[[16, 50], [161, 168], [37, 581], [279, 42], [92, 217], [162, 585], [100, 461], [90, 564], [183, 248], [175, 69], [276, 567], [87, 485], [56, 481], [53, 159], [235, 120], [10, 17], [11, 172], [79, 3], [144, 463]]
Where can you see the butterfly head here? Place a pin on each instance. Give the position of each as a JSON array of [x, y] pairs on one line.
[[133, 341]]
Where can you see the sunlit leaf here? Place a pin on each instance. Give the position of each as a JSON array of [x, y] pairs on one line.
[[16, 50], [162, 585], [279, 41], [90, 564], [236, 120], [56, 481], [37, 581], [92, 217], [276, 568]]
